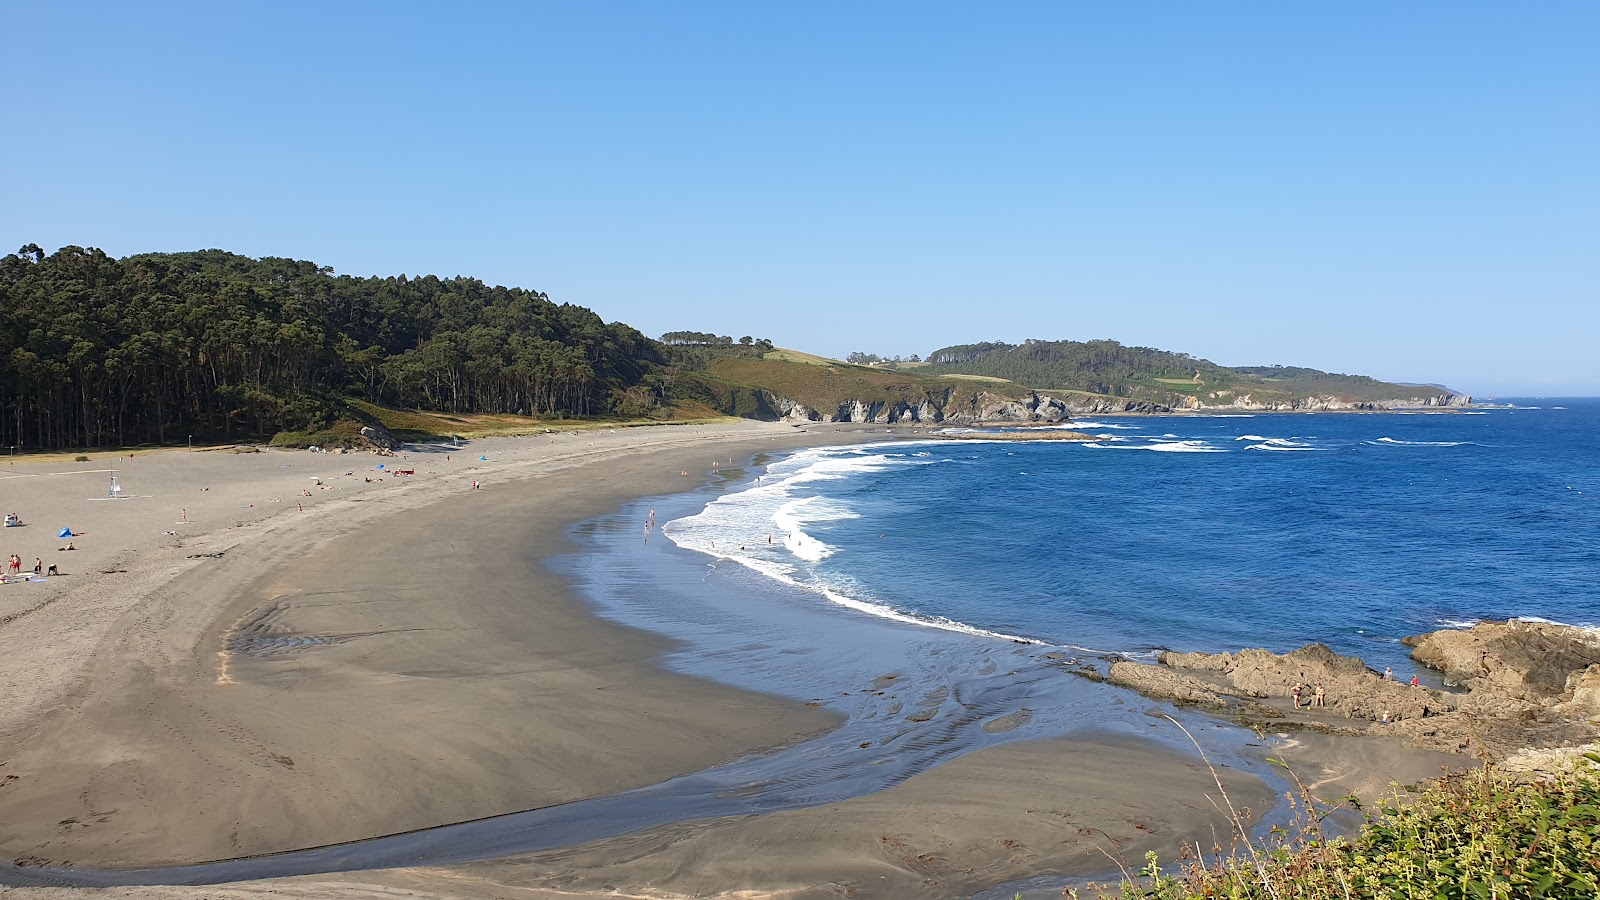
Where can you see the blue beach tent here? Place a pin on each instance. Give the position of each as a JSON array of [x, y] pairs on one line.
[[65, 532]]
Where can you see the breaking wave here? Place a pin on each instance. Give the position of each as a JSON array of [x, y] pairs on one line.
[[1393, 442]]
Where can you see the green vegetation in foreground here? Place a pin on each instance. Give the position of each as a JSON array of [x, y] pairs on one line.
[[1483, 835]]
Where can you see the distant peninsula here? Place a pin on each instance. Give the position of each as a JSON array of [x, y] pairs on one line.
[[162, 348]]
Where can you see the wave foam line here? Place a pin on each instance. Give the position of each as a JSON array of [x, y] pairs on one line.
[[785, 575], [1076, 424], [1397, 443]]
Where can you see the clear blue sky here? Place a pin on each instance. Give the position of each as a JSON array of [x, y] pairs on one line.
[[1406, 190]]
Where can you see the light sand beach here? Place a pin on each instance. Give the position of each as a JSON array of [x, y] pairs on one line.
[[230, 668]]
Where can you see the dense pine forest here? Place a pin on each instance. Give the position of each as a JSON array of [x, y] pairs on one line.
[[97, 351]]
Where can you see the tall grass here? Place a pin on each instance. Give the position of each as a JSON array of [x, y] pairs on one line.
[[1485, 834]]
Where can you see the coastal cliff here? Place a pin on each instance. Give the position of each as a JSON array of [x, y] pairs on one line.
[[948, 406], [1228, 400], [952, 406]]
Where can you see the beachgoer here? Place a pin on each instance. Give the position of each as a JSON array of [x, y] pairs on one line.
[[1320, 697], [38, 566], [14, 564], [1385, 719], [1414, 681], [52, 571], [1295, 692], [1388, 674]]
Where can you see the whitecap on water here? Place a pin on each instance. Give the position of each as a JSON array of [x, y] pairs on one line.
[[1393, 442]]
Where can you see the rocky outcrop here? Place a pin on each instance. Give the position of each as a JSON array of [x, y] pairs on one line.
[[1350, 689], [378, 436], [1526, 685], [935, 407], [1532, 661], [953, 406], [1228, 400]]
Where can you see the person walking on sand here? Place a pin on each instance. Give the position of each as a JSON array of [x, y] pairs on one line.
[[1295, 693], [38, 566], [14, 565]]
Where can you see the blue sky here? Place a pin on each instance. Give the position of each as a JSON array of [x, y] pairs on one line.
[[1410, 191]]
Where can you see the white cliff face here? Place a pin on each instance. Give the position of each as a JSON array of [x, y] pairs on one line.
[[948, 406], [953, 407]]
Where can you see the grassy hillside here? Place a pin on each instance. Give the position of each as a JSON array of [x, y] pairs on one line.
[[824, 384], [1144, 373]]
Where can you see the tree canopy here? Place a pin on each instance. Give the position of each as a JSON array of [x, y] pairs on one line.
[[98, 351]]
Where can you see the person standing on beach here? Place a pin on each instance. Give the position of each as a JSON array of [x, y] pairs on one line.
[[38, 566], [1319, 698], [1388, 674], [1296, 692]]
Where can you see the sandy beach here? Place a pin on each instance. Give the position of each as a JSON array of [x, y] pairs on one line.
[[229, 668]]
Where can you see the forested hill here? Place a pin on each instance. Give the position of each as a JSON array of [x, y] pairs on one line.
[[97, 351], [1112, 369]]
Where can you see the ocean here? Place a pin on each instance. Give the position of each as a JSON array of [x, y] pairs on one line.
[[943, 597], [1191, 532]]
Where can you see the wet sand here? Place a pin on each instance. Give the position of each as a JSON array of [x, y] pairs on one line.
[[396, 657]]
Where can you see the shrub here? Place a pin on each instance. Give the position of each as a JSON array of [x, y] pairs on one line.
[[1483, 835]]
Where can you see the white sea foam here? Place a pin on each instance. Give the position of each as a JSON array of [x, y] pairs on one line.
[[1181, 447], [1077, 425], [1249, 437], [1457, 623], [1387, 440], [1540, 620], [1189, 446], [793, 517], [1287, 448], [779, 503]]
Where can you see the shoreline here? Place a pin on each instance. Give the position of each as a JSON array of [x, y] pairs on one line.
[[310, 624], [342, 603]]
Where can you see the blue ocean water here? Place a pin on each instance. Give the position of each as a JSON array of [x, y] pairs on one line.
[[1194, 532]]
